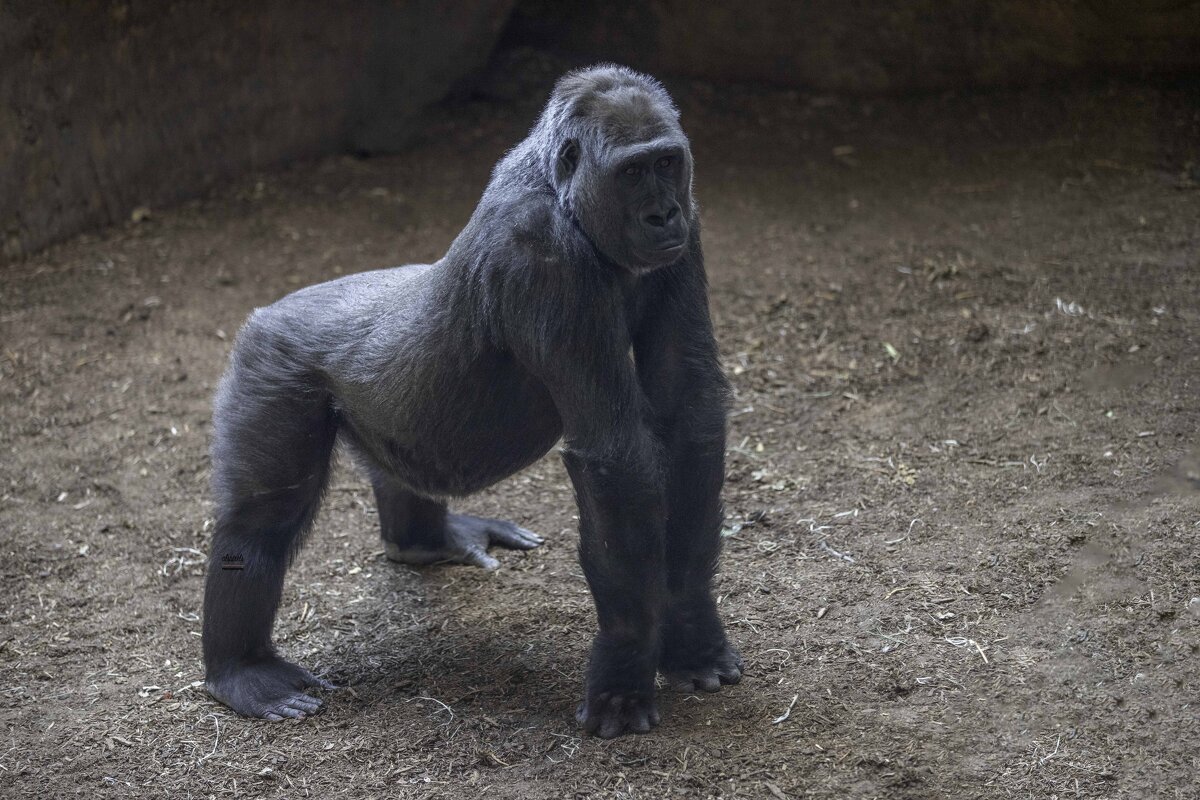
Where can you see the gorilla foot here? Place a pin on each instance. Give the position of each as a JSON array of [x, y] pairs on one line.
[[610, 714], [466, 541], [723, 667], [271, 690]]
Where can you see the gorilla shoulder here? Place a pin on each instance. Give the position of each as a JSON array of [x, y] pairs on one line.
[[521, 232]]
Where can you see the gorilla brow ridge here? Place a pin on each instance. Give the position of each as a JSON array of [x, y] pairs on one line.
[[624, 115], [604, 105]]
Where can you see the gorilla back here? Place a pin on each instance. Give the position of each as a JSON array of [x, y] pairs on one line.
[[443, 379]]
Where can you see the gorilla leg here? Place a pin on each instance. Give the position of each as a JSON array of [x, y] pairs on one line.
[[271, 452], [417, 530]]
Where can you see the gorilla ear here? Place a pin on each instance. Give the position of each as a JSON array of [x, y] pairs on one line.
[[568, 160]]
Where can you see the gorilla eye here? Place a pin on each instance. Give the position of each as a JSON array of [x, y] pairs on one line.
[[632, 170], [665, 162]]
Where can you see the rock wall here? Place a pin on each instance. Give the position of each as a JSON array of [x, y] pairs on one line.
[[110, 105], [107, 106], [873, 45]]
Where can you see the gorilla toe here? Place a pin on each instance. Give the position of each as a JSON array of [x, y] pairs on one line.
[[610, 714], [725, 668], [466, 541], [271, 690]]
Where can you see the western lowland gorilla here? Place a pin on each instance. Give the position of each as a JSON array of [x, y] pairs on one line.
[[574, 304]]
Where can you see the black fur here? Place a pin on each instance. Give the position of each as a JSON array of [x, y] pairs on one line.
[[445, 378]]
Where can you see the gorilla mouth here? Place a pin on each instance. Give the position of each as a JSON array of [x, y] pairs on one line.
[[652, 258], [662, 256]]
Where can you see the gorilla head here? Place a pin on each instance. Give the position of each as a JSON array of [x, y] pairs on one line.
[[621, 164]]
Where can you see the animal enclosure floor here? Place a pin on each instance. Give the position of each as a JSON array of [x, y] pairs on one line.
[[961, 553]]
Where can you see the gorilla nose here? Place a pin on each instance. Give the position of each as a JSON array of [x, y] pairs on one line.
[[657, 220], [664, 227]]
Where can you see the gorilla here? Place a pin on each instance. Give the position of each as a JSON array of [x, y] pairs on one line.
[[573, 305]]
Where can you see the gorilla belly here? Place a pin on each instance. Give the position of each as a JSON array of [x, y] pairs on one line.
[[474, 434]]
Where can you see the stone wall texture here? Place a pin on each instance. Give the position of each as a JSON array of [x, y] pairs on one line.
[[107, 106], [873, 45]]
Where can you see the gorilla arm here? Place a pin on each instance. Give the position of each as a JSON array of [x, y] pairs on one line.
[[680, 373], [579, 347]]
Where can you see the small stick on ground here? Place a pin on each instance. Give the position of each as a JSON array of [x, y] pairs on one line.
[[787, 713]]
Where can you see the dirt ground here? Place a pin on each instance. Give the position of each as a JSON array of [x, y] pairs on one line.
[[963, 504]]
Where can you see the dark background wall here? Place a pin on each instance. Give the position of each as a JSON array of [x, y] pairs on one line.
[[874, 46], [109, 106], [105, 107]]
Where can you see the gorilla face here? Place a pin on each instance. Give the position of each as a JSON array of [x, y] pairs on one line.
[[647, 186], [633, 200]]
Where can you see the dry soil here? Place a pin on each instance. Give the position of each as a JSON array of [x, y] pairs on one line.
[[963, 498]]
